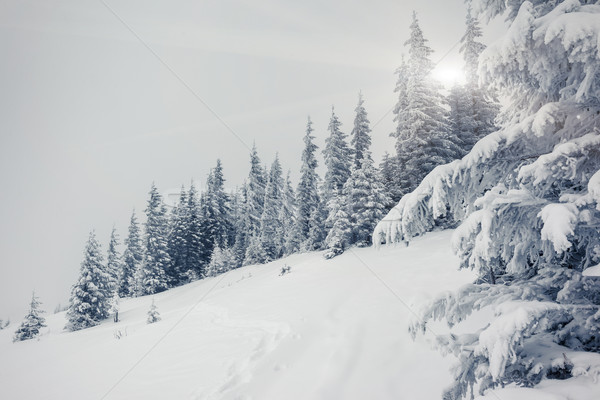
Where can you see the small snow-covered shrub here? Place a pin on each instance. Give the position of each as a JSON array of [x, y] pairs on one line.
[[153, 314], [527, 201]]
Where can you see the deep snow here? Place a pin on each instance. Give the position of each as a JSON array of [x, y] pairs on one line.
[[329, 329]]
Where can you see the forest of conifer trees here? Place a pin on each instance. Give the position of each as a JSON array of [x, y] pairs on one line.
[[210, 230]]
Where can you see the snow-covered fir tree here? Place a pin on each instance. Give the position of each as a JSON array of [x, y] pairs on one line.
[[255, 252], [253, 208], [360, 138], [422, 133], [221, 261], [528, 200], [339, 236], [115, 305], [177, 240], [255, 193], [287, 216], [157, 261], [472, 108], [92, 293], [390, 178], [195, 240], [318, 232], [153, 314], [33, 322], [392, 166], [363, 200], [272, 234], [217, 209], [133, 256], [307, 196], [114, 263], [337, 159], [241, 224]]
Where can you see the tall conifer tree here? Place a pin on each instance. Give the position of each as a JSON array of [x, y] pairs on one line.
[[92, 293], [307, 193], [178, 234], [133, 256], [422, 135], [157, 261], [271, 226]]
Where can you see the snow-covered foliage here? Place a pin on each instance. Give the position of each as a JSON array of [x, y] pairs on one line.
[[307, 195], [156, 258], [92, 293], [177, 240], [153, 314], [526, 199], [272, 234], [133, 255], [422, 132], [217, 210], [114, 262], [32, 324], [221, 261]]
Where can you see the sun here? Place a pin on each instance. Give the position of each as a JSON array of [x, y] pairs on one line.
[[449, 76]]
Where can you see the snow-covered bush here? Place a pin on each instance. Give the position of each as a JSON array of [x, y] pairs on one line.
[[32, 324], [153, 314], [527, 198]]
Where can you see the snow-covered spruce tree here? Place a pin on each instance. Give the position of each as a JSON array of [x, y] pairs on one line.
[[422, 133], [472, 108], [33, 322], [217, 209], [528, 199], [92, 293], [360, 138], [364, 196], [197, 254], [177, 240], [390, 178], [157, 262], [132, 259], [153, 314], [255, 252], [254, 207], [255, 193], [318, 232], [115, 305], [221, 261], [114, 263], [339, 237], [307, 195], [272, 235], [363, 200], [337, 158], [241, 224], [392, 166], [287, 216]]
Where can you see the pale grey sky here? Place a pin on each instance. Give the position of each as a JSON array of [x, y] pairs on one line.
[[89, 117]]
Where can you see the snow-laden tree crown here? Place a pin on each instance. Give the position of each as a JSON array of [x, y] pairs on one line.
[[526, 199]]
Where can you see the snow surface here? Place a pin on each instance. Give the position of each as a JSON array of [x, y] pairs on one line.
[[328, 329]]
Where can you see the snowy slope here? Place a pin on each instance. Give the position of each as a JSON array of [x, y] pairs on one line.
[[327, 330]]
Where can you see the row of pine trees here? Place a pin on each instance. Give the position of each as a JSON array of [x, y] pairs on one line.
[[212, 231]]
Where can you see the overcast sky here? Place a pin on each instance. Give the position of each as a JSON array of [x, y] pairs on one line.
[[89, 117]]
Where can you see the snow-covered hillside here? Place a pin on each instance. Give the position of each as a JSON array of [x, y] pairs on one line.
[[326, 330]]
